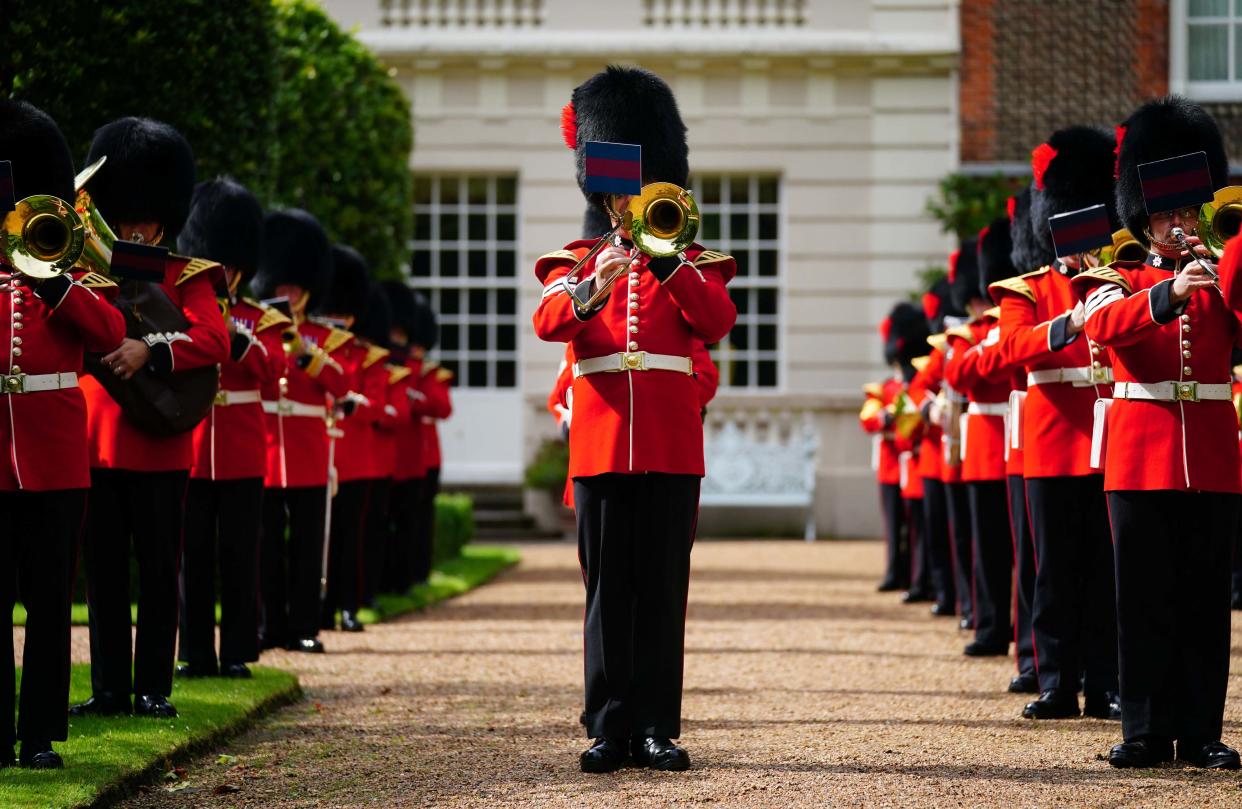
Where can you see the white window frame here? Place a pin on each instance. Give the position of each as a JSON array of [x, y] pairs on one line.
[[463, 283], [1179, 57]]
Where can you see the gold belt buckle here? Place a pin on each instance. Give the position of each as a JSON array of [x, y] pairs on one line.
[[284, 408], [15, 383], [222, 397], [1100, 376], [1186, 392], [634, 361]]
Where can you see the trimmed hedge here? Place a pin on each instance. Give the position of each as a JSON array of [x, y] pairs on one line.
[[454, 526]]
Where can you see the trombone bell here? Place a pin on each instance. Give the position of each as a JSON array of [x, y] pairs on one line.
[[1124, 248], [1221, 219], [664, 219], [43, 236]]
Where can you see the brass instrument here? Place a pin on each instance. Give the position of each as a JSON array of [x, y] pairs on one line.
[[42, 236], [97, 251], [663, 221], [1124, 248], [1221, 219]]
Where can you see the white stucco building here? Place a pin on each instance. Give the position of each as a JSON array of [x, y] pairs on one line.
[[817, 130]]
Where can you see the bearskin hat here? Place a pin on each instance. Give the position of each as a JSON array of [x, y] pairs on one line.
[[995, 246], [426, 329], [376, 326], [1167, 127], [938, 305], [905, 334], [595, 222], [402, 312], [1028, 253], [295, 251], [628, 105], [1073, 170], [351, 279], [33, 143], [225, 225], [149, 174], [964, 274]]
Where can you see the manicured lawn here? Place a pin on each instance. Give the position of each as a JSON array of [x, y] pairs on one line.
[[106, 756]]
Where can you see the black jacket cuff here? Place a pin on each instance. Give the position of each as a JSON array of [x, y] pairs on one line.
[[53, 290], [161, 360], [663, 267], [581, 294], [303, 361], [238, 346], [1161, 302], [1058, 333]]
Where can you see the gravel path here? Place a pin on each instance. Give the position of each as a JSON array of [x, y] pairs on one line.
[[803, 686]]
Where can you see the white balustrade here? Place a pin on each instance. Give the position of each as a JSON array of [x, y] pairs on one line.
[[724, 14], [462, 14]]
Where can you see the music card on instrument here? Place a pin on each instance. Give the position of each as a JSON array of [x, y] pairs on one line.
[[1076, 232], [132, 261], [1176, 182], [8, 197], [613, 168]]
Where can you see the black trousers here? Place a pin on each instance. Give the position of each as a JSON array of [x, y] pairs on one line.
[[290, 568], [375, 540], [897, 552], [349, 512], [223, 523], [1024, 577], [145, 508], [38, 553], [1075, 612], [403, 503], [425, 527], [1173, 582], [634, 538], [961, 547], [920, 574], [993, 565], [936, 540]]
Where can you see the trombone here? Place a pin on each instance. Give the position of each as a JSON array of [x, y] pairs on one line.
[[662, 220]]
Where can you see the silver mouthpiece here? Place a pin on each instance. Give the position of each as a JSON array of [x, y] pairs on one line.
[[1179, 234]]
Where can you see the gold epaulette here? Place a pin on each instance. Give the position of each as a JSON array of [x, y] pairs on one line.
[[920, 363], [397, 373], [937, 341], [335, 339], [874, 390], [427, 368], [93, 280], [1014, 285], [965, 332], [270, 318], [374, 355], [1108, 274], [564, 254], [444, 375], [710, 257], [993, 313], [194, 266]]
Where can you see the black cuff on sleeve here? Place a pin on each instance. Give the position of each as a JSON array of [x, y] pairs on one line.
[[663, 267], [238, 346], [161, 360], [582, 294], [303, 361], [1162, 308], [1058, 333], [53, 290]]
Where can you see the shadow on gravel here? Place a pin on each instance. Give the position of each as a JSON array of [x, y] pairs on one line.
[[557, 575], [735, 611], [710, 650], [950, 723], [1101, 773]]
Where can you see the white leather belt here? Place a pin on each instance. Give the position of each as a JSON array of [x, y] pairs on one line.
[[633, 361], [287, 408], [37, 383], [1078, 377], [1173, 391], [224, 398], [988, 408]]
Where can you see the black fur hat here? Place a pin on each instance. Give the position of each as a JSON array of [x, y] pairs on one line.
[[905, 334], [426, 329], [1028, 253], [1073, 170], [595, 222], [149, 174], [938, 304], [964, 274], [376, 326], [1166, 127], [628, 105], [402, 312], [295, 251], [225, 225], [995, 245], [33, 143], [351, 279]]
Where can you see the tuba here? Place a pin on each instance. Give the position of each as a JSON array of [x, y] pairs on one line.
[[1221, 219]]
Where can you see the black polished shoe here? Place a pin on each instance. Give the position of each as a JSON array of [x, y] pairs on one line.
[[980, 649], [604, 755], [659, 753], [943, 610], [1107, 706], [350, 622], [154, 706], [1024, 684], [1211, 756], [307, 645], [967, 623], [1236, 601], [105, 703], [193, 671], [235, 671], [40, 756], [889, 586], [1053, 704], [916, 596], [1142, 753]]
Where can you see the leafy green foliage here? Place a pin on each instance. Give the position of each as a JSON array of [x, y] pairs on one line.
[[549, 468], [454, 526], [477, 565], [966, 203]]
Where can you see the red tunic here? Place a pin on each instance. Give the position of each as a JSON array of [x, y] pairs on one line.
[[976, 370], [44, 432], [355, 450], [411, 462], [1156, 445], [117, 444], [923, 390], [1057, 416], [638, 421], [434, 384], [876, 418], [231, 443], [396, 411]]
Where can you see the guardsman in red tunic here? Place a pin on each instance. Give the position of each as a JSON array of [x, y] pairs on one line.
[[296, 265], [343, 306], [138, 479], [434, 405], [46, 468], [908, 347], [224, 500], [1074, 617], [1236, 600], [636, 450], [1171, 466]]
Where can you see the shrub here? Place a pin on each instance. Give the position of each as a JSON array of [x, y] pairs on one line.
[[454, 525], [966, 203], [549, 468]]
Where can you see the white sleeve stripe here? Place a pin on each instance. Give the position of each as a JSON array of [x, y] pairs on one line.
[[1103, 296]]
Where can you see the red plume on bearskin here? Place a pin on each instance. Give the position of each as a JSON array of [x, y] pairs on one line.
[[931, 305], [569, 125], [886, 328], [1010, 205], [953, 257], [1119, 134], [1041, 157]]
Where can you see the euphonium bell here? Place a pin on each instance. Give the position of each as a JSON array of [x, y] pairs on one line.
[[97, 251], [42, 236], [1221, 219]]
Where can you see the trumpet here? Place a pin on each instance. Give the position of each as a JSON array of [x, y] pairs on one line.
[[42, 237], [662, 220]]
